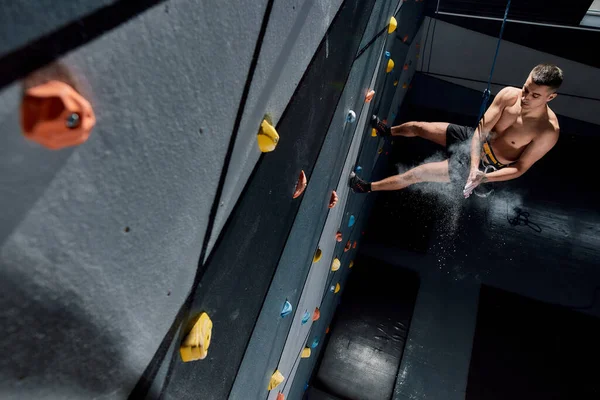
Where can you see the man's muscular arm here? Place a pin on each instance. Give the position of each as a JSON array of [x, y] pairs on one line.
[[533, 152], [505, 98]]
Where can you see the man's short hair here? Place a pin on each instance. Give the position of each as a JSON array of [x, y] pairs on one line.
[[547, 75]]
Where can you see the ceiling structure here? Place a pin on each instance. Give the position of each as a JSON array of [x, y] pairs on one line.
[[555, 25]]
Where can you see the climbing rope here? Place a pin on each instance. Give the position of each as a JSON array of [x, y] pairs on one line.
[[486, 93]]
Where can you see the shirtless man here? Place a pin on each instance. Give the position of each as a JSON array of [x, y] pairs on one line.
[[517, 130]]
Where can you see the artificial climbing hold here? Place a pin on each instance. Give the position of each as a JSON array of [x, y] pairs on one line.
[[300, 185], [267, 136], [351, 220], [405, 38], [305, 352], [354, 245], [55, 116], [351, 117], [348, 245], [317, 256], [337, 288], [326, 330], [305, 317], [358, 169], [315, 342], [316, 314], [333, 199], [287, 309], [388, 54], [392, 26], [276, 380], [338, 237], [332, 288], [373, 132], [195, 346], [396, 83], [390, 65], [351, 264], [405, 67], [335, 264], [404, 85], [369, 96], [280, 396], [380, 150]]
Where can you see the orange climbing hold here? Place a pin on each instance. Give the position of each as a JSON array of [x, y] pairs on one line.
[[405, 38], [369, 96], [338, 236], [316, 314], [354, 245], [300, 185], [55, 116], [333, 199], [327, 330], [348, 246], [280, 396], [405, 67], [404, 85]]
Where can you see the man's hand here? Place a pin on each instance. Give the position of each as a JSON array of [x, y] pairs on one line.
[[476, 177]]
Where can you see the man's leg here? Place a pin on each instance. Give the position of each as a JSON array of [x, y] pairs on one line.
[[430, 172], [433, 131]]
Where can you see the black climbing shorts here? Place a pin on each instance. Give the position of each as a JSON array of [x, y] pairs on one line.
[[458, 148]]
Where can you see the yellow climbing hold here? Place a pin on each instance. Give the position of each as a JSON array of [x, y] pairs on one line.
[[306, 352], [393, 24], [335, 265], [195, 345], [404, 85], [317, 256], [276, 380], [337, 288], [396, 83], [390, 65], [380, 150], [374, 132], [351, 264], [267, 137]]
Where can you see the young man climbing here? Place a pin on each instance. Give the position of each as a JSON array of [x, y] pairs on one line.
[[516, 131]]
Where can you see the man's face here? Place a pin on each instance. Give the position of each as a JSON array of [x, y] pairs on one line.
[[533, 96]]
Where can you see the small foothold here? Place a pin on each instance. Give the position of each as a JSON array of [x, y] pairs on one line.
[[315, 343], [300, 185], [392, 26], [333, 199], [195, 346], [305, 317], [388, 54], [348, 246], [405, 67], [373, 132], [326, 330], [369, 96], [332, 288], [358, 169], [351, 220], [317, 256], [390, 66], [387, 152], [404, 85], [354, 245], [337, 288], [405, 38], [305, 352], [287, 309], [351, 264], [351, 117], [306, 386], [380, 150], [395, 83], [280, 396], [267, 137], [335, 264], [316, 314], [276, 380], [338, 237]]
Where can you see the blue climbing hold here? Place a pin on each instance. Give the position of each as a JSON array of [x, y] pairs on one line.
[[351, 221], [358, 169], [287, 309], [351, 117], [388, 54], [315, 343], [306, 386], [332, 288], [306, 317]]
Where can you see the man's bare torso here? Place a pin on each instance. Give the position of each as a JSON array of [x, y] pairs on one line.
[[516, 130]]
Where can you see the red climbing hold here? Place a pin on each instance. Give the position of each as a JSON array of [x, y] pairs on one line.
[[300, 185], [338, 236], [348, 246], [333, 199], [316, 314], [354, 245], [280, 396]]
